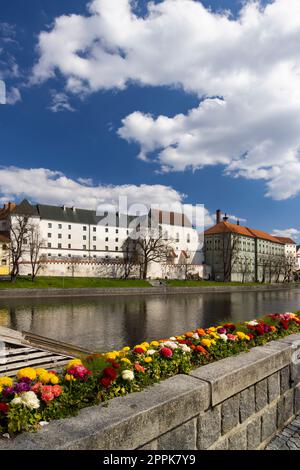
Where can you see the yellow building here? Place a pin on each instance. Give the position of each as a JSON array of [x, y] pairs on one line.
[[4, 255]]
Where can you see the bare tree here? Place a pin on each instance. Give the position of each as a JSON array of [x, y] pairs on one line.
[[18, 227], [230, 250], [149, 246], [35, 244], [245, 268]]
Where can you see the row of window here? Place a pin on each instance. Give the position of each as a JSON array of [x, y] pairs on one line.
[[84, 247], [59, 255], [84, 228]]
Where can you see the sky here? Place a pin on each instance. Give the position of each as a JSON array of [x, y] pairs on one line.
[[170, 101]]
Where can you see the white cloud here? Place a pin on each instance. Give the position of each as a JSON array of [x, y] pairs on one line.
[[60, 102], [292, 233], [53, 187], [246, 71], [13, 96]]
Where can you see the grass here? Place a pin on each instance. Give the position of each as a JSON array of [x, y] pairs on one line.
[[180, 283], [69, 282]]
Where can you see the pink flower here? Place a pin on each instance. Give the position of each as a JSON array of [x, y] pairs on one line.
[[47, 396], [231, 337], [37, 387], [56, 390], [166, 352]]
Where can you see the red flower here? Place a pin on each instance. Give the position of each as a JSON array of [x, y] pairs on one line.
[[4, 408], [229, 326], [182, 341], [201, 350], [47, 396], [110, 372], [284, 324], [139, 351], [105, 381], [166, 352], [56, 390], [138, 367]]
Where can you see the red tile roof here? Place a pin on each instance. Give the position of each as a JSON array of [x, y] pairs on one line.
[[227, 227], [286, 240]]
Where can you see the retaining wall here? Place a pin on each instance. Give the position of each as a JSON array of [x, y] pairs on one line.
[[113, 291], [235, 403]]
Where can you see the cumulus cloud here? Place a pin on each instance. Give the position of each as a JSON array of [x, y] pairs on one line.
[[60, 102], [245, 70], [53, 187], [292, 233], [46, 186]]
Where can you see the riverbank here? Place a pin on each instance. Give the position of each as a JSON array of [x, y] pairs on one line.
[[37, 292]]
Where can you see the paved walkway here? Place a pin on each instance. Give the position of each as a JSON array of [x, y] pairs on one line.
[[288, 439]]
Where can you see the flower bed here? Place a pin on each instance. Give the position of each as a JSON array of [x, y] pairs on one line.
[[36, 396]]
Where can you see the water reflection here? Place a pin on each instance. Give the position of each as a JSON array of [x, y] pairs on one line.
[[112, 322]]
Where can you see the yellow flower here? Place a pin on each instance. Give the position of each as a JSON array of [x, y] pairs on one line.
[[69, 377], [140, 346], [1, 388], [74, 362], [112, 355], [154, 343], [54, 379], [241, 335], [40, 371], [127, 348], [27, 372], [124, 359], [145, 344], [148, 359], [247, 337], [206, 342], [6, 382], [211, 329], [45, 377], [215, 335]]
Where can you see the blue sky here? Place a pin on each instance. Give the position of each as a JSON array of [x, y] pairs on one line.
[[80, 137]]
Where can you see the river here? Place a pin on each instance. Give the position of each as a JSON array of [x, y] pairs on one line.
[[106, 323]]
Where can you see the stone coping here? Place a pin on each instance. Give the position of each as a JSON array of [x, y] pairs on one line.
[[134, 420], [113, 291]]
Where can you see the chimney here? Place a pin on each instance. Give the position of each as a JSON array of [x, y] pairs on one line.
[[225, 218], [218, 216]]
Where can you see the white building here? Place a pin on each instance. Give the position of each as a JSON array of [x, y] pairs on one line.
[[79, 242]]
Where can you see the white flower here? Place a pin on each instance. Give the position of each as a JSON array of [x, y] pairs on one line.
[[173, 338], [184, 348], [223, 337], [43, 423], [16, 401], [195, 336], [30, 400], [150, 352], [253, 323], [169, 344], [127, 375]]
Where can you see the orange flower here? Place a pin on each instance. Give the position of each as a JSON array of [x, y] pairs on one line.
[[193, 346], [273, 328], [189, 334], [138, 367], [201, 332], [202, 350]]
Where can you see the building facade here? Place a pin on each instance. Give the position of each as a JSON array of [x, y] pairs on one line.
[[241, 254], [4, 255], [80, 242]]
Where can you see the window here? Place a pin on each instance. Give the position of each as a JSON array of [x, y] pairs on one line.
[[49, 225], [84, 247], [94, 256], [117, 231], [177, 237], [106, 239], [4, 262], [25, 241], [69, 227], [69, 237], [127, 232], [117, 257], [94, 247], [117, 248], [94, 229], [59, 255], [116, 239], [59, 235], [84, 228], [49, 235], [106, 230], [84, 256], [60, 226], [188, 238], [49, 245], [69, 246], [106, 257], [59, 245], [106, 248], [84, 237], [94, 239], [49, 255]]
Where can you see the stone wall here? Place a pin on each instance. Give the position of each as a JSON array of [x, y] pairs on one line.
[[235, 403]]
